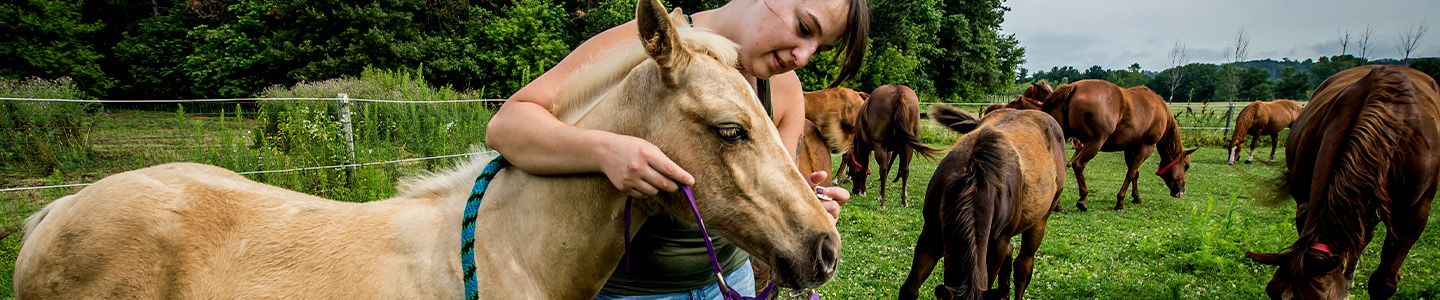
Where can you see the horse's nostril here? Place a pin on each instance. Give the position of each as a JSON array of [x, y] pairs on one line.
[[827, 254]]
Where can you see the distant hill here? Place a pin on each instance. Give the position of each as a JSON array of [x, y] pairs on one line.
[[1274, 66]]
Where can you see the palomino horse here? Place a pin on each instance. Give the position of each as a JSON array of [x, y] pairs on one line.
[[191, 231], [1259, 119], [1363, 152], [1105, 117], [998, 181], [888, 125]]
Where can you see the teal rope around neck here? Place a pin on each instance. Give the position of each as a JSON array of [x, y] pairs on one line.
[[467, 231]]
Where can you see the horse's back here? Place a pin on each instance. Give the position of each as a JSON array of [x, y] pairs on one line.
[[196, 231], [1358, 110], [1039, 144]]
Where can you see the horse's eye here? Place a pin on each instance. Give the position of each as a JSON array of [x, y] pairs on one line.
[[731, 132]]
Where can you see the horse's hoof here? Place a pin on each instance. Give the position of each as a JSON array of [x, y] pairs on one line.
[[1230, 163], [1081, 207], [1119, 207], [1057, 208], [1249, 162], [1136, 201]]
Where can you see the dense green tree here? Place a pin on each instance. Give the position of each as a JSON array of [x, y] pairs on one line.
[[1095, 72], [1198, 84], [1129, 77], [1326, 66], [1429, 65], [1293, 84], [50, 39]]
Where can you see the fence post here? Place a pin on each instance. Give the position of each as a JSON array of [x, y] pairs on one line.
[[1229, 110], [349, 134]]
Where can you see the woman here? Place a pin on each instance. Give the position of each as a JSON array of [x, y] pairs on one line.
[[668, 259]]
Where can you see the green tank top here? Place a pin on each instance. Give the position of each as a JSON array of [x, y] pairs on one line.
[[667, 255]]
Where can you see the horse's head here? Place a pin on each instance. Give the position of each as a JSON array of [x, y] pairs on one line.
[[1312, 273], [1173, 170], [1039, 90], [690, 101]]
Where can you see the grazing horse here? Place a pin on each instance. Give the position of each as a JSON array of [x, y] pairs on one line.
[[1363, 152], [1260, 118], [998, 181], [1104, 117], [190, 231], [888, 125]]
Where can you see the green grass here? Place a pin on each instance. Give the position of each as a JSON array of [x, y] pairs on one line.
[[1164, 248]]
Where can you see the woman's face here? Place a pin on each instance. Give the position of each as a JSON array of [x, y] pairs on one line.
[[784, 34]]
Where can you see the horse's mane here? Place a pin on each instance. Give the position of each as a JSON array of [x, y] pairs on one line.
[[591, 83], [1245, 120], [1358, 176], [980, 180], [438, 184]]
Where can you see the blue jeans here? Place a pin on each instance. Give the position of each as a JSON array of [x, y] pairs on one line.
[[742, 280]]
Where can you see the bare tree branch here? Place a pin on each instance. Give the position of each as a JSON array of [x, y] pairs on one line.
[[1365, 44], [1344, 40], [1178, 59], [1410, 40], [1242, 49]]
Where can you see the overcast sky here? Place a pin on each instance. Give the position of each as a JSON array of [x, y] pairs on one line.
[[1116, 33]]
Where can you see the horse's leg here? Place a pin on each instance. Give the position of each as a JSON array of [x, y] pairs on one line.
[[998, 261], [1354, 258], [883, 157], [1133, 160], [1401, 234], [1253, 142], [903, 175], [1082, 158], [840, 177], [1273, 137], [1025, 261], [928, 250]]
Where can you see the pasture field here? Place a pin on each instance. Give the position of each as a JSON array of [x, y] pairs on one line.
[[1164, 248]]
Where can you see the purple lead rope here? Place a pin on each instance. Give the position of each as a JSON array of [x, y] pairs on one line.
[[725, 290]]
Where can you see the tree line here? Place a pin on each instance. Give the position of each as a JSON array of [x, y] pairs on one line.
[[173, 49], [1257, 79]]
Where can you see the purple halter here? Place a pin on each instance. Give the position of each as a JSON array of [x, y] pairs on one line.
[[725, 291]]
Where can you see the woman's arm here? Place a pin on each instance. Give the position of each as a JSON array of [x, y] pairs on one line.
[[529, 135]]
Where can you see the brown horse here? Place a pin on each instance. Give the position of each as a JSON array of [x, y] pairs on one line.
[[998, 181], [889, 126], [1261, 118], [190, 231], [1363, 152], [1104, 117], [1032, 98], [833, 112]]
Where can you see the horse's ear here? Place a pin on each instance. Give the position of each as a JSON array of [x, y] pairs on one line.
[[1273, 259], [864, 96], [661, 40], [1192, 150]]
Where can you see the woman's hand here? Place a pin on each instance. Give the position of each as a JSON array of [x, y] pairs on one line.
[[639, 168], [838, 195]]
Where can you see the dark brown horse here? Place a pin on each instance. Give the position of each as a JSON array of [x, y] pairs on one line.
[[1262, 119], [889, 126], [1105, 117], [998, 181], [1365, 151]]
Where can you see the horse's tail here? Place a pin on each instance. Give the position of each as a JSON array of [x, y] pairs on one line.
[[967, 225], [953, 118], [34, 219], [1353, 180], [910, 135]]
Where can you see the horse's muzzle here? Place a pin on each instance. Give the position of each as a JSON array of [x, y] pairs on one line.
[[814, 267]]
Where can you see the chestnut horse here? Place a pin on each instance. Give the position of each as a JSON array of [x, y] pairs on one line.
[[191, 231], [1032, 98], [832, 113], [1262, 119], [1104, 117], [889, 126], [1363, 152], [998, 181]]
